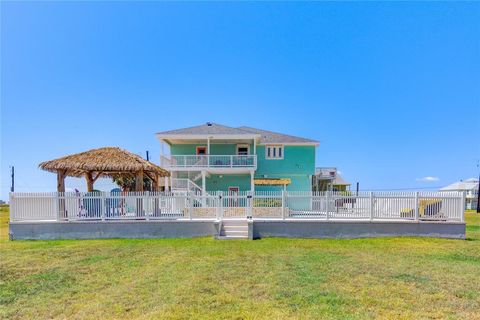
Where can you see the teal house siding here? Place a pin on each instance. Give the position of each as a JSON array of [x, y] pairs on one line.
[[219, 182], [296, 160], [298, 164]]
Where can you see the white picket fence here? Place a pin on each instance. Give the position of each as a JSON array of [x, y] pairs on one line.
[[53, 206]]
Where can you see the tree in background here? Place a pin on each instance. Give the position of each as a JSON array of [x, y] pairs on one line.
[[128, 183]]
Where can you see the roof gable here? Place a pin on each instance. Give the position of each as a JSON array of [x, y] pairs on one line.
[[207, 128], [264, 136], [275, 137]]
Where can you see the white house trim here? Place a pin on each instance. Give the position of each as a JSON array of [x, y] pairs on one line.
[[206, 136]]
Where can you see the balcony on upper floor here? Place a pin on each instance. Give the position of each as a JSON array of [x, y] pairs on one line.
[[230, 163]]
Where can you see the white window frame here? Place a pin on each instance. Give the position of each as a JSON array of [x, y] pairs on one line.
[[276, 147], [243, 146]]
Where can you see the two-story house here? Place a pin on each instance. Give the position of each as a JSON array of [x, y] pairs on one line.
[[214, 157]]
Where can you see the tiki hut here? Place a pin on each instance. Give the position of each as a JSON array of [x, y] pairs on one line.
[[109, 162]]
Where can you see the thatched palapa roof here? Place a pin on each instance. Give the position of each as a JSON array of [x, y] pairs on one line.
[[107, 162]]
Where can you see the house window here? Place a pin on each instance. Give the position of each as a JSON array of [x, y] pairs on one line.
[[242, 149], [274, 152]]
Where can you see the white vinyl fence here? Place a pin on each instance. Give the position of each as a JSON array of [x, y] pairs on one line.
[[346, 205]]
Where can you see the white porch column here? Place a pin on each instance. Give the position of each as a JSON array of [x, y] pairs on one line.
[[208, 145], [252, 182], [254, 146], [166, 183]]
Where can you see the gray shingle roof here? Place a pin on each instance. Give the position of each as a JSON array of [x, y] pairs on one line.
[[275, 137], [214, 128]]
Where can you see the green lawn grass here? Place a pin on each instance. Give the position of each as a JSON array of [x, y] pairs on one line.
[[406, 278]]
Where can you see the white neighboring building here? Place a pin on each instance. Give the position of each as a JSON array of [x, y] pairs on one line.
[[470, 186]]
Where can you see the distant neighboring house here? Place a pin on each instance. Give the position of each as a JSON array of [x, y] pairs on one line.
[[2, 202], [214, 157], [328, 179], [470, 186], [339, 184]]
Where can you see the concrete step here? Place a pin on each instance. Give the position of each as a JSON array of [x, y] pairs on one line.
[[234, 232], [235, 227], [235, 223], [232, 237]]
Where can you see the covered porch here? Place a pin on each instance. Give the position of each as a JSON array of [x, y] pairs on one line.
[[217, 153]]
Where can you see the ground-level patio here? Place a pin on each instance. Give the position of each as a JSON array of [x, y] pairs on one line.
[[238, 215]]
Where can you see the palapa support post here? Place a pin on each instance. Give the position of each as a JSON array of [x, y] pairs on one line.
[[155, 188], [61, 180], [89, 178], [139, 190], [139, 181]]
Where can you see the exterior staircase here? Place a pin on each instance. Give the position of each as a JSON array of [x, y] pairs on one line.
[[233, 229], [185, 185]]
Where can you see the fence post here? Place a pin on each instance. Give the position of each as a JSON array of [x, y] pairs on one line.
[[417, 213], [372, 206], [250, 204], [56, 199], [148, 202], [220, 205], [102, 205], [283, 204], [328, 204], [12, 207], [462, 209], [190, 204]]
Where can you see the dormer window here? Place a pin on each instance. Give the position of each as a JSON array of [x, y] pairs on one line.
[[274, 152]]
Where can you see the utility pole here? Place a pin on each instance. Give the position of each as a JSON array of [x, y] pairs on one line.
[[478, 191], [12, 188]]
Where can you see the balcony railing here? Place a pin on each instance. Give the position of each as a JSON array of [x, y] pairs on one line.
[[210, 161]]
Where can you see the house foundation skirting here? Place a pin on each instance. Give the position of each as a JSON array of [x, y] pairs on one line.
[[110, 229], [259, 229], [357, 229]]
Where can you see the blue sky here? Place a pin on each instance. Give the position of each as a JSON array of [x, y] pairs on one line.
[[392, 90]]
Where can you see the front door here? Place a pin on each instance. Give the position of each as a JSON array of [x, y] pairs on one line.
[[201, 160], [201, 151]]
